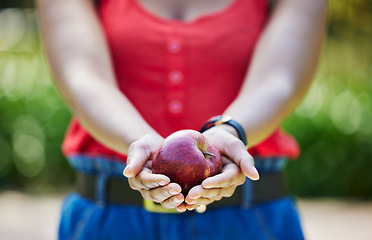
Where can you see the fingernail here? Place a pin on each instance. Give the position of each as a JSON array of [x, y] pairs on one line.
[[190, 208], [256, 173], [172, 191], [126, 169], [207, 186], [163, 182], [176, 200], [192, 201], [195, 197], [180, 210]]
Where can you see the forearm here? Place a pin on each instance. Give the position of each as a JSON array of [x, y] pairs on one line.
[[81, 68], [107, 114], [282, 67]]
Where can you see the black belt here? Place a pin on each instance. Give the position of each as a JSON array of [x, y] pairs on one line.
[[270, 186]]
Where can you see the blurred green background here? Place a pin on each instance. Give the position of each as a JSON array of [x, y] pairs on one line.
[[333, 125]]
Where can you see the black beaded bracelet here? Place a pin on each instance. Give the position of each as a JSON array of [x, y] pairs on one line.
[[224, 119]]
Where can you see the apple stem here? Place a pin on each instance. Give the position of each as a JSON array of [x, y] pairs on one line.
[[210, 154]]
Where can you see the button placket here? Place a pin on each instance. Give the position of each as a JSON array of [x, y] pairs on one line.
[[176, 77], [175, 106], [174, 46]]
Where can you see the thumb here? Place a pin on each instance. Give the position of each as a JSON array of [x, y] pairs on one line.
[[130, 171], [137, 157], [239, 154], [139, 152], [247, 166], [235, 150]]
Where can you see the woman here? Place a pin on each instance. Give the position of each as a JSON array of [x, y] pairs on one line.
[[135, 71]]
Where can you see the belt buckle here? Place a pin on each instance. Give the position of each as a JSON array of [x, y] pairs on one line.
[[151, 206]]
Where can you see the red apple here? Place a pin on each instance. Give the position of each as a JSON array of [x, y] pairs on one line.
[[187, 158]]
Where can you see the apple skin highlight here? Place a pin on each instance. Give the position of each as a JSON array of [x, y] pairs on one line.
[[187, 158]]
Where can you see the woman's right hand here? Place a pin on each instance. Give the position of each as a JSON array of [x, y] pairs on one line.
[[154, 187]]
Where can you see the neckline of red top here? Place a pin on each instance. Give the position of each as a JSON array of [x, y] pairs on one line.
[[215, 14]]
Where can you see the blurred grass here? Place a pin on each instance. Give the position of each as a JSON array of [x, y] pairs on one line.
[[333, 125]]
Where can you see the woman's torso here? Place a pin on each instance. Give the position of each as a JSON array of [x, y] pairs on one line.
[[178, 64]]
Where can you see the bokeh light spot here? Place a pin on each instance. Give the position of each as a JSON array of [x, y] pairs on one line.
[[345, 113], [312, 103], [29, 155], [12, 28]]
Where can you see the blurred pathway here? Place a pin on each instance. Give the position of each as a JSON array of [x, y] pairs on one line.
[[28, 218], [335, 219], [23, 217]]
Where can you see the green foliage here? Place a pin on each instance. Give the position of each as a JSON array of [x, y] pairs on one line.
[[32, 116], [17, 3], [349, 17], [333, 124]]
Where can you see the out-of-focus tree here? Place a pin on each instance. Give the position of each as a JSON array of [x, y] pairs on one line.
[[334, 123], [350, 17], [16, 4]]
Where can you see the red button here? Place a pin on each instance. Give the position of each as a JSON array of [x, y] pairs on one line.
[[175, 106], [175, 77], [174, 46]]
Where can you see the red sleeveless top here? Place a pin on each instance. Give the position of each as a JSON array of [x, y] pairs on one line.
[[179, 74]]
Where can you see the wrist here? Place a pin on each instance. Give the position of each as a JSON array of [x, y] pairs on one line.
[[228, 124], [226, 128]]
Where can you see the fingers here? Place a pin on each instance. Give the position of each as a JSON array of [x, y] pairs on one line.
[[174, 202], [169, 196], [199, 196], [231, 175], [181, 207], [154, 187], [214, 193], [234, 149], [146, 180], [161, 194], [138, 154], [216, 187], [165, 198]]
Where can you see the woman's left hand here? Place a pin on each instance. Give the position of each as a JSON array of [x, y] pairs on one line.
[[237, 163]]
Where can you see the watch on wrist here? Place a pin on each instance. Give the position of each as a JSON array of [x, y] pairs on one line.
[[225, 119]]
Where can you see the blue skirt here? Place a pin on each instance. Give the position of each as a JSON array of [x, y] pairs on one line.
[[85, 219]]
